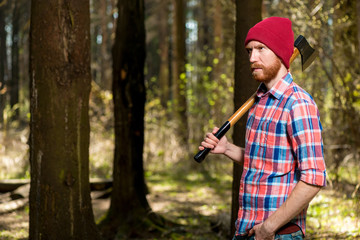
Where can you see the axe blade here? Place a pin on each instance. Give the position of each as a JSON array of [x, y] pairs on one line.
[[308, 54]]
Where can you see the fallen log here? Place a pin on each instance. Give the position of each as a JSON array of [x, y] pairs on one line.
[[15, 200], [13, 205], [9, 185], [100, 184], [15, 192]]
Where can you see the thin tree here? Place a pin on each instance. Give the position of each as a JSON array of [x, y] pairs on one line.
[[60, 204], [129, 209], [248, 13], [15, 76], [178, 71], [105, 45], [3, 60], [164, 71]]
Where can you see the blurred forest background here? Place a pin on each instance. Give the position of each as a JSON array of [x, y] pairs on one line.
[[190, 88]]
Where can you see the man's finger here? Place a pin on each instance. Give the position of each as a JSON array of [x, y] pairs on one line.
[[215, 130]]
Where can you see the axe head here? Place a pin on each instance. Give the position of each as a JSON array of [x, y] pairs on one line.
[[308, 54]]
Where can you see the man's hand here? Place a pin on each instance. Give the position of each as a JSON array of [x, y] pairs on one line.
[[210, 141], [222, 146], [261, 233]]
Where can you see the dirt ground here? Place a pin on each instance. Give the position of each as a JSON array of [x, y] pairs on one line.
[[201, 216], [15, 225]]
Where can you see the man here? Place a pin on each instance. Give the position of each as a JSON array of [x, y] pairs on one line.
[[283, 159]]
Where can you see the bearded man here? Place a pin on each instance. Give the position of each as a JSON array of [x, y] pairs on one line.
[[283, 162]]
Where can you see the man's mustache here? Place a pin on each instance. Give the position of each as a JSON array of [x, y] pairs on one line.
[[256, 65]]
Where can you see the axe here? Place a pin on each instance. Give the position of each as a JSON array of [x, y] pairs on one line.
[[308, 54]]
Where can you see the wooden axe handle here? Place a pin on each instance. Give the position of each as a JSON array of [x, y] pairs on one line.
[[294, 55], [200, 156]]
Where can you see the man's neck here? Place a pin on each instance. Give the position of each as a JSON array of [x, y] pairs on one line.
[[281, 73]]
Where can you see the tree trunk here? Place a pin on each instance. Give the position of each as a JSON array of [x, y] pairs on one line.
[[247, 15], [3, 63], [218, 52], [164, 71], [60, 204], [15, 76], [178, 71], [203, 56], [105, 63], [129, 205]]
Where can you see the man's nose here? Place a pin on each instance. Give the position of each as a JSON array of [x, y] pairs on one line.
[[253, 57]]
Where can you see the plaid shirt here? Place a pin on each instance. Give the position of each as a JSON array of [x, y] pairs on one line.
[[283, 146]]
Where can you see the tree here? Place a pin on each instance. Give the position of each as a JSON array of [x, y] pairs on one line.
[[101, 42], [60, 204], [129, 207], [164, 71], [3, 60], [247, 15], [178, 71], [14, 83]]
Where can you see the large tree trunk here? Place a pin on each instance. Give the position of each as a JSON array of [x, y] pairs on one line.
[[60, 204], [178, 71], [248, 13], [129, 205]]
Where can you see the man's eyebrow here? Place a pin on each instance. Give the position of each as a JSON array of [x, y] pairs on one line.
[[260, 45]]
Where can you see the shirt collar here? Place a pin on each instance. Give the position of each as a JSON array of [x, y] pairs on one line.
[[278, 89]]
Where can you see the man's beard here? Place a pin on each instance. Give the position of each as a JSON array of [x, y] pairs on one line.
[[268, 73]]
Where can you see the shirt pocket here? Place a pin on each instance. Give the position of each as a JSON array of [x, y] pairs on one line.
[[266, 134]]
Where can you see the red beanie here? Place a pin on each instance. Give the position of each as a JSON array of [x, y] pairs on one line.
[[276, 34]]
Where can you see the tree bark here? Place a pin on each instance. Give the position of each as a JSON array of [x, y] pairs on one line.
[[60, 204], [247, 15]]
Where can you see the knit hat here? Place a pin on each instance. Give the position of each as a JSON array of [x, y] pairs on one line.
[[276, 34]]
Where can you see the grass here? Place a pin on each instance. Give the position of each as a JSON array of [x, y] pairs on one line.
[[332, 213], [196, 200]]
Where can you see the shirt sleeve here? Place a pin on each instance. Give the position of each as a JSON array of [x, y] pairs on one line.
[[304, 130]]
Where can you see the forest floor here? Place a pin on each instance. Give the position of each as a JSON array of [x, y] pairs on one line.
[[198, 197], [201, 206]]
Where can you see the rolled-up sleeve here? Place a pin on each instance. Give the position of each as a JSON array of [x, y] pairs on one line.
[[304, 130]]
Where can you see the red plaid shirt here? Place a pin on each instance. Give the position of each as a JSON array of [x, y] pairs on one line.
[[283, 146]]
